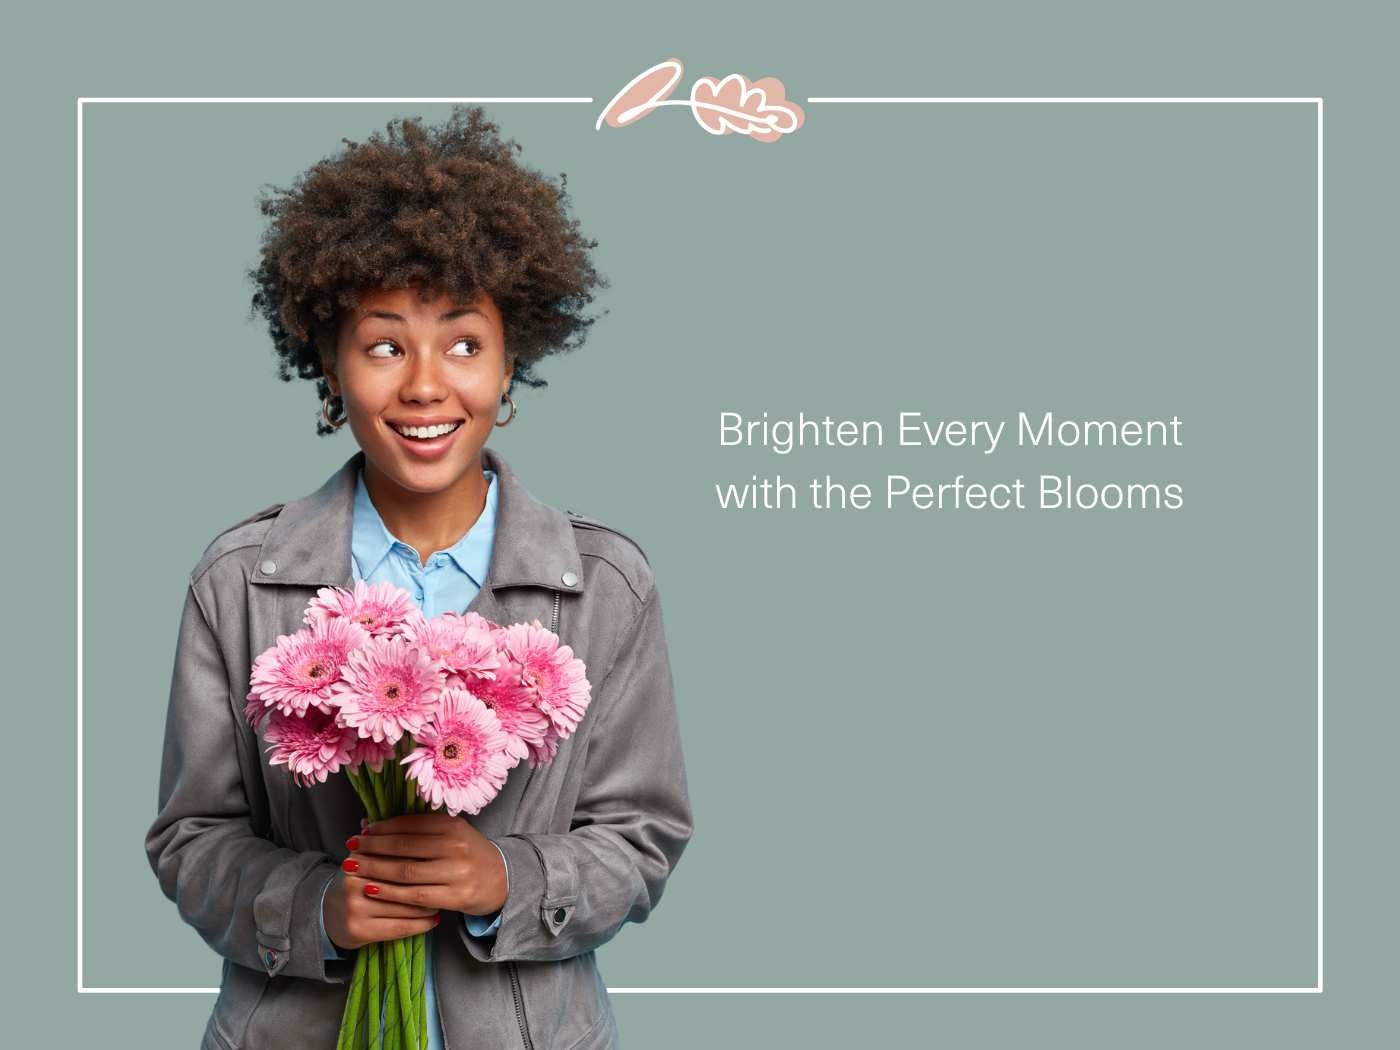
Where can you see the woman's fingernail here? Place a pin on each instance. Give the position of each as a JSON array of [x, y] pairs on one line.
[[437, 919], [350, 864], [352, 843], [372, 889]]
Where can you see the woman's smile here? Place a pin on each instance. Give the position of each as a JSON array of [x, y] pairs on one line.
[[428, 443]]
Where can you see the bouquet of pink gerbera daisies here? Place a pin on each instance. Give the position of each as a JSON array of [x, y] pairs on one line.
[[420, 714]]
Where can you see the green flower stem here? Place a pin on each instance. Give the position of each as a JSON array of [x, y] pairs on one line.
[[415, 984], [374, 990], [402, 974], [394, 980], [393, 1013], [381, 802], [400, 782], [349, 1021], [364, 784]]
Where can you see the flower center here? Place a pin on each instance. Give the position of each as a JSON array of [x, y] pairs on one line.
[[391, 691], [316, 670], [456, 752]]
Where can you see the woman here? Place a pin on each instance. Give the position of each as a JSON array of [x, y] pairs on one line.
[[418, 278]]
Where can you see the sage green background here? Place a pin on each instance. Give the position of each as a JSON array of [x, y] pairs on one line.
[[925, 749]]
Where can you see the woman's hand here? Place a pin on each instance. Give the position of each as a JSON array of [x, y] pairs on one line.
[[399, 875], [353, 918]]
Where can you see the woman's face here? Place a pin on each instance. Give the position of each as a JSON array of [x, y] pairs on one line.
[[401, 362]]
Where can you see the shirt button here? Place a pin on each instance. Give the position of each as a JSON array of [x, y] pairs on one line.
[[559, 915], [569, 579], [268, 567]]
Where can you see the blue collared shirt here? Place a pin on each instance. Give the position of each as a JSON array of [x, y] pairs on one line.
[[448, 583]]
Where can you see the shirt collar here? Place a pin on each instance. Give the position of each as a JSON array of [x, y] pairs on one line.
[[371, 541]]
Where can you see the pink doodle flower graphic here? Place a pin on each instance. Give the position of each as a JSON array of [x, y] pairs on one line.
[[758, 109]]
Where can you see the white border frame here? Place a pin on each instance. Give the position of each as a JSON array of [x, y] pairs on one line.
[[84, 989]]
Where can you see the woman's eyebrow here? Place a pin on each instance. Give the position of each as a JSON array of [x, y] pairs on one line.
[[451, 315]]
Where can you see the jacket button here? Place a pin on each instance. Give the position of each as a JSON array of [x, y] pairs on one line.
[[268, 568], [558, 914], [569, 578]]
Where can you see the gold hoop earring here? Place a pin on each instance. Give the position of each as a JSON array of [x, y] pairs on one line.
[[325, 414], [511, 401]]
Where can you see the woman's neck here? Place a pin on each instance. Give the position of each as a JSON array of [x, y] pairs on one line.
[[428, 521]]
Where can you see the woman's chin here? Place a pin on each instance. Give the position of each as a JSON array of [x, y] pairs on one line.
[[420, 475]]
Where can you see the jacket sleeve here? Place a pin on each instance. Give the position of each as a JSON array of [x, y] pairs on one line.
[[254, 902], [569, 893]]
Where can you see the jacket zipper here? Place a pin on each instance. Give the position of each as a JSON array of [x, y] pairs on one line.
[[519, 1006], [511, 970]]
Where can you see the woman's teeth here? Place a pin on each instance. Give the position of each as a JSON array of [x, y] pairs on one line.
[[428, 432]]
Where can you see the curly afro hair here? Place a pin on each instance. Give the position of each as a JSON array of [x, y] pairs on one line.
[[446, 209]]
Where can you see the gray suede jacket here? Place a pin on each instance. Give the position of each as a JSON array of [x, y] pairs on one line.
[[590, 838]]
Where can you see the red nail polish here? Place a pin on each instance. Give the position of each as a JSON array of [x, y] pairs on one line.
[[372, 890], [437, 919], [352, 843], [350, 864]]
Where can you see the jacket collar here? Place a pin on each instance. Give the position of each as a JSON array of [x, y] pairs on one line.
[[308, 543]]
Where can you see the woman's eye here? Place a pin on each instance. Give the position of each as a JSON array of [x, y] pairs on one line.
[[472, 348]]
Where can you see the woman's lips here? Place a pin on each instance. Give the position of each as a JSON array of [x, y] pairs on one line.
[[433, 448]]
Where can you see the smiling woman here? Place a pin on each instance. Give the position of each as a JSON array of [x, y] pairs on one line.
[[417, 278]]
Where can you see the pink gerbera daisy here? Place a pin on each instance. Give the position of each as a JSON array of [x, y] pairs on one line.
[[254, 709], [538, 754], [549, 673], [369, 752], [462, 759], [479, 624], [312, 746], [381, 608], [461, 646], [302, 668], [388, 688], [523, 722]]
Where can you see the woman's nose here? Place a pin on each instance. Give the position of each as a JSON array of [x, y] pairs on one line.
[[423, 380]]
